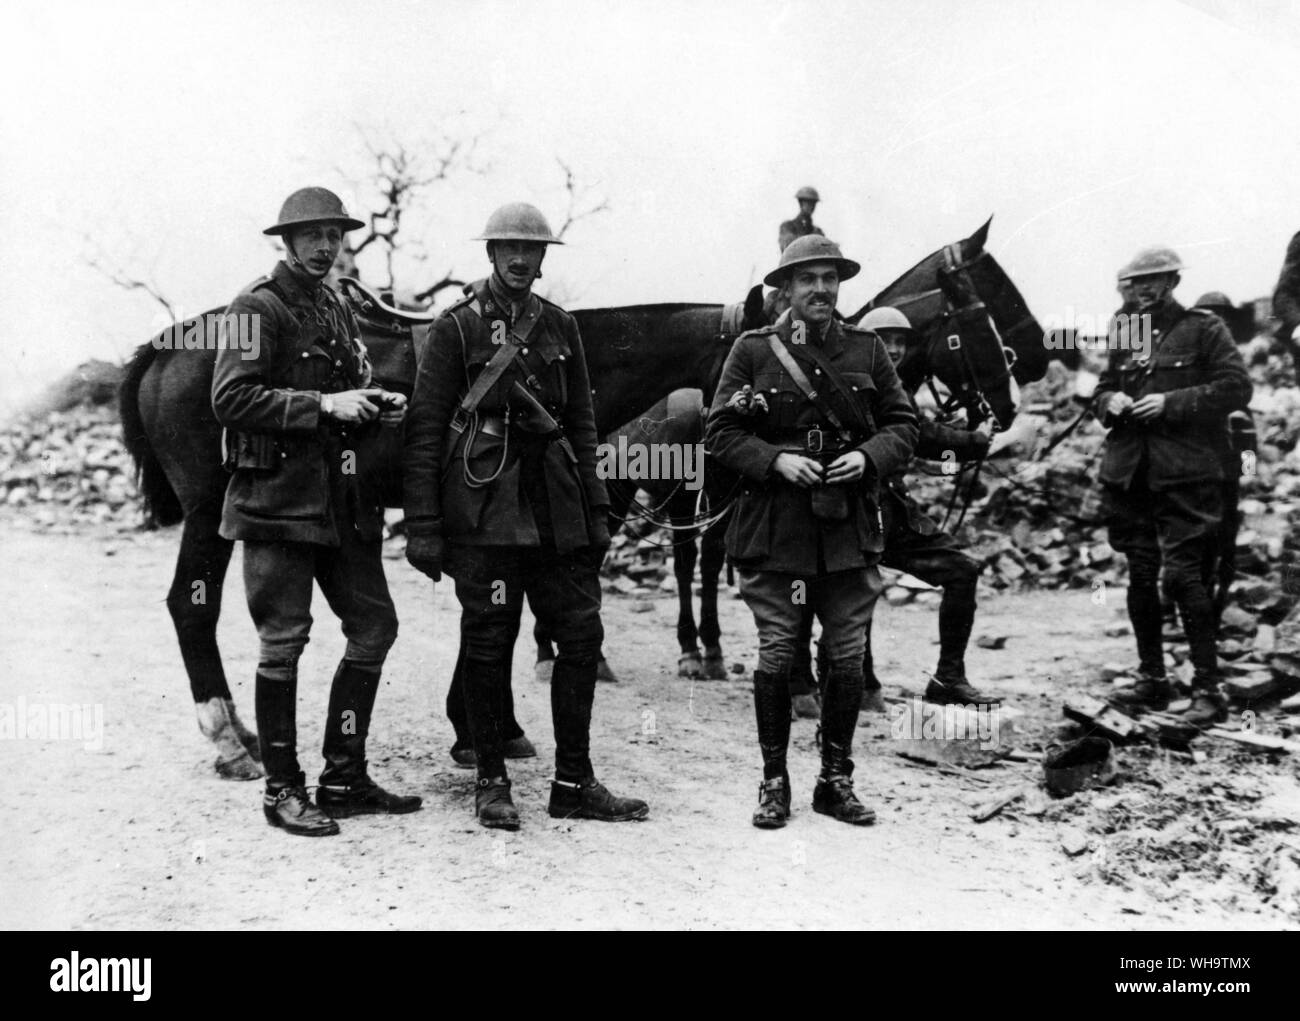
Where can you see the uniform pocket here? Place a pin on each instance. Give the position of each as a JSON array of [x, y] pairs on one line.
[[298, 490]]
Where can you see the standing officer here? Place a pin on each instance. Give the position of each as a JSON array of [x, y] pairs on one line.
[[914, 543], [802, 225], [1166, 395], [292, 414], [1286, 300], [502, 493], [810, 412]]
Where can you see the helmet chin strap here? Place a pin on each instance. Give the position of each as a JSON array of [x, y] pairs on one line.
[[297, 264]]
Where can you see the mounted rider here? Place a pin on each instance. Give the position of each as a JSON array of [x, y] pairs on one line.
[[806, 526], [502, 492], [802, 225], [293, 414], [1166, 394]]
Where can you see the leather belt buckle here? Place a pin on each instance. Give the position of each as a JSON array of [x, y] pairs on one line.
[[814, 442], [459, 420]]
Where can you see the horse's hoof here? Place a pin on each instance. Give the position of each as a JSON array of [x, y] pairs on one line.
[[605, 673], [715, 667], [689, 665], [544, 669], [873, 701], [246, 737], [805, 707], [241, 767]]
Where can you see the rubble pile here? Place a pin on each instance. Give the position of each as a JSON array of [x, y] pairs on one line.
[[1179, 824], [68, 468]]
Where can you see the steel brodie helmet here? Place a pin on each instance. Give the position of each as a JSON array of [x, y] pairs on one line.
[[810, 248], [1150, 261], [518, 221], [312, 205]]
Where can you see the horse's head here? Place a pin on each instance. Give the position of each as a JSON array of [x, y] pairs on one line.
[[959, 301]]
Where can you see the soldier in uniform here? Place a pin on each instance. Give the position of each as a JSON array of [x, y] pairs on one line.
[[802, 225], [292, 416], [502, 493], [1286, 300], [917, 546], [806, 527], [1167, 406]]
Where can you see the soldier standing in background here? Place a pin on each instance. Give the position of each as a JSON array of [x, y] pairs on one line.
[[1166, 394]]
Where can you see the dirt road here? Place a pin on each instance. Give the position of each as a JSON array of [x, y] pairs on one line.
[[140, 833]]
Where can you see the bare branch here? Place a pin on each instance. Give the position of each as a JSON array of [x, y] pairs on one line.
[[429, 293], [579, 206], [102, 263]]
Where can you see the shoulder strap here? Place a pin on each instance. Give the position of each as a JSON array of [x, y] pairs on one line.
[[828, 370], [801, 380], [487, 379]]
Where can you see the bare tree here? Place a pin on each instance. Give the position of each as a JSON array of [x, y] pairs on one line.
[[400, 177]]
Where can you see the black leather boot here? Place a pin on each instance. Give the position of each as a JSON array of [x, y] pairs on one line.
[[275, 701], [772, 714], [1152, 691], [345, 785], [833, 794], [494, 806], [290, 809], [589, 799], [957, 691], [573, 688], [773, 809], [1208, 707]]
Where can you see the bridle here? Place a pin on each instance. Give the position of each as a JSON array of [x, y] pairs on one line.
[[730, 327], [970, 390]]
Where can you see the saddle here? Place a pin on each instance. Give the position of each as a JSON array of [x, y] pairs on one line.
[[376, 313]]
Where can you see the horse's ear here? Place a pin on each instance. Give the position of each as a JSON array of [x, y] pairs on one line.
[[754, 307], [975, 243]]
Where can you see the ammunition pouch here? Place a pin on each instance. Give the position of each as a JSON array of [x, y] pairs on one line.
[[253, 451], [830, 503]]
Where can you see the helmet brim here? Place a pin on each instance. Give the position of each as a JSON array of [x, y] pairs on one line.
[[520, 237], [346, 222], [847, 267]]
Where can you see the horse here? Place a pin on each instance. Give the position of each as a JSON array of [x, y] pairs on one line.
[[636, 355]]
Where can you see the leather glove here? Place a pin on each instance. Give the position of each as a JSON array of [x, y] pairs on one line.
[[424, 553]]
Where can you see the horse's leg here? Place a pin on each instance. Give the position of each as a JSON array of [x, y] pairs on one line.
[[712, 554], [194, 602], [545, 653], [685, 552]]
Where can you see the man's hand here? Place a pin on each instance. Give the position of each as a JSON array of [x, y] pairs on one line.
[[797, 469], [848, 467], [1149, 408], [746, 402], [424, 553], [1118, 404], [394, 409], [354, 405]]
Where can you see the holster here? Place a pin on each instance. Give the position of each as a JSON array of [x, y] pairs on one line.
[[530, 414], [250, 450]]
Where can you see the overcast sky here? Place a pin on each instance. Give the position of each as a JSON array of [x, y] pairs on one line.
[[170, 133]]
